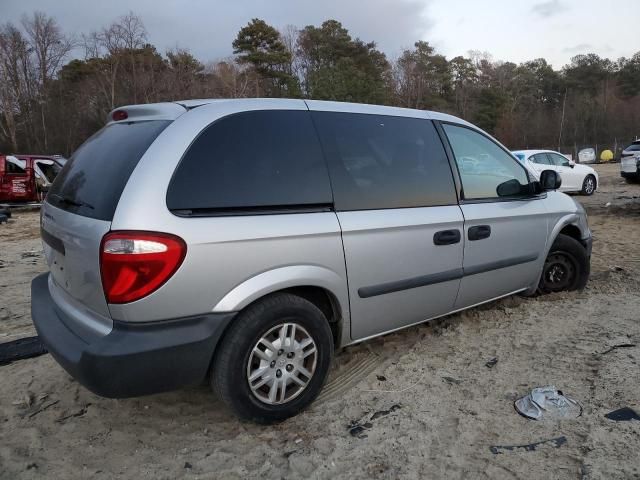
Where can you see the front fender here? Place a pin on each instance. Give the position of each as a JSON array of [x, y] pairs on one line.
[[568, 219]]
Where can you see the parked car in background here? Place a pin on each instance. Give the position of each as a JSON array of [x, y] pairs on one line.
[[587, 155], [243, 241], [575, 177], [630, 162], [27, 178]]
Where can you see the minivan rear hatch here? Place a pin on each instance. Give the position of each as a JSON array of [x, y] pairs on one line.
[[80, 205]]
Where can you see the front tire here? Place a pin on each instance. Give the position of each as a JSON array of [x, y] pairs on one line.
[[566, 267], [274, 359], [589, 185]]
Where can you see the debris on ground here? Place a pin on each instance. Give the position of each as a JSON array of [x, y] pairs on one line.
[[491, 363], [384, 413], [45, 407], [20, 349], [357, 428], [79, 413], [452, 381], [624, 414], [529, 447], [548, 402], [621, 345]]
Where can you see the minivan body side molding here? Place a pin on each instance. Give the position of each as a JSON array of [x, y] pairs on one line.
[[455, 274], [508, 262], [406, 284]]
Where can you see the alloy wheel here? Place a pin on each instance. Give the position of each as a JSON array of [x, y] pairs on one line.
[[282, 363], [589, 185]]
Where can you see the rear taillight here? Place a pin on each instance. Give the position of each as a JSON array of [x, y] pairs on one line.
[[134, 264]]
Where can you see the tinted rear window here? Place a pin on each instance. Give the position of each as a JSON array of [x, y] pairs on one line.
[[380, 161], [252, 160], [91, 182]]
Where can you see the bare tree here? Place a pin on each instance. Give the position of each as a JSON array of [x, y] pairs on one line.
[[17, 85], [49, 47], [133, 35], [229, 80], [289, 36]]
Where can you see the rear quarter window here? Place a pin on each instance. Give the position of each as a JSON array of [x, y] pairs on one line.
[[91, 182], [379, 161], [256, 160]]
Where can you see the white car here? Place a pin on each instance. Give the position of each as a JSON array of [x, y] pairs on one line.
[[575, 177], [630, 162]]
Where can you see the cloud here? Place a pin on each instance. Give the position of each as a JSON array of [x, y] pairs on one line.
[[549, 8], [207, 27], [588, 48], [580, 48]]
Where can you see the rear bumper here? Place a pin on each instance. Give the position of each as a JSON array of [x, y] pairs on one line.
[[132, 359], [635, 174]]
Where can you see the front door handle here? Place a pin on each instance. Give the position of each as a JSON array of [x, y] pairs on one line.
[[479, 232], [446, 237]]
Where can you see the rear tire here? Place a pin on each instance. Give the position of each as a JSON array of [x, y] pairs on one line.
[[589, 185], [272, 341], [566, 267]]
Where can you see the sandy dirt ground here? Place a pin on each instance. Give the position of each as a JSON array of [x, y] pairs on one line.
[[420, 403]]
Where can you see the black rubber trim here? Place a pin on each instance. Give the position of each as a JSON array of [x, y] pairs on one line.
[[509, 262], [246, 211], [587, 243], [53, 242], [424, 280], [133, 359], [421, 281]]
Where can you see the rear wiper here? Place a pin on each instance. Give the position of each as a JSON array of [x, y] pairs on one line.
[[71, 201]]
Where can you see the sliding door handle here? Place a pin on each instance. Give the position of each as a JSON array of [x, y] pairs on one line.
[[446, 237], [479, 232]]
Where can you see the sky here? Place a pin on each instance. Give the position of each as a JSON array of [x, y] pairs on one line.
[[510, 30]]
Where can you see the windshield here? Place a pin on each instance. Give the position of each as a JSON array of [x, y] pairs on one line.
[[634, 147]]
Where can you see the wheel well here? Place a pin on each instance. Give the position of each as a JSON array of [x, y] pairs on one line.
[[571, 231], [321, 298], [325, 301]]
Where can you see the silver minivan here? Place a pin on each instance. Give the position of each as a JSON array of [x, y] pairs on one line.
[[243, 241]]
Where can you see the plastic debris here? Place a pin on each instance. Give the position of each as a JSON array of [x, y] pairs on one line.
[[491, 363], [547, 402], [623, 415]]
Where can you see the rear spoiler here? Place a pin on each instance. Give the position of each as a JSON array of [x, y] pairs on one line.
[[150, 111]]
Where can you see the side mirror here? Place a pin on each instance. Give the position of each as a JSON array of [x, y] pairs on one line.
[[510, 188], [572, 163], [550, 180]]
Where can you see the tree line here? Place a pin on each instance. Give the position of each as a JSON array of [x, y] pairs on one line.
[[52, 99]]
